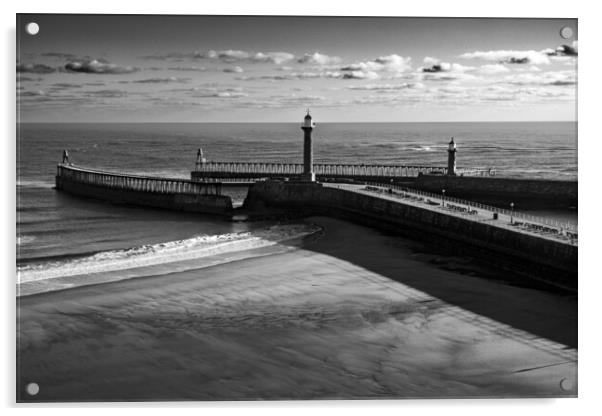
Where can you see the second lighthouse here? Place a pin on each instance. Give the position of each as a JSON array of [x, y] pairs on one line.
[[308, 151]]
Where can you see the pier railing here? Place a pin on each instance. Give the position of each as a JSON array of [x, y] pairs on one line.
[[132, 182], [268, 169], [521, 218]]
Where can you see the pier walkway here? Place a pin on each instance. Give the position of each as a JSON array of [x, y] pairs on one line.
[[516, 221], [131, 182], [251, 171]]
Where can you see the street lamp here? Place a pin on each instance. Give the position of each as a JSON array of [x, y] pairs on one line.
[[443, 198], [511, 213]]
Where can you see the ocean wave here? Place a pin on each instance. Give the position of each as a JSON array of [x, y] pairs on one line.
[[163, 253], [25, 239], [34, 183]]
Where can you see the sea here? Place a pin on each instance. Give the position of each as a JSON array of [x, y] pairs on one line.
[[65, 241]]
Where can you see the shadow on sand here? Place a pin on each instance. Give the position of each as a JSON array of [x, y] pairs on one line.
[[460, 281]]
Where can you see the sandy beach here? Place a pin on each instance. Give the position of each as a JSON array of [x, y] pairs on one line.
[[352, 314]]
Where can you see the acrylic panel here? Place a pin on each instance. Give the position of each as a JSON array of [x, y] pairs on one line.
[[286, 207]]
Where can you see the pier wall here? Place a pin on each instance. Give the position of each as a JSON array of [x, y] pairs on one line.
[[524, 193], [524, 254], [209, 204]]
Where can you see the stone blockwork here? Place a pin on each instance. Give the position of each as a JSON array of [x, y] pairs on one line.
[[209, 204], [530, 193], [524, 254]]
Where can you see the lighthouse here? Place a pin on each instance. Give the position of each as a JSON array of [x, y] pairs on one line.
[[308, 151], [451, 158], [200, 160]]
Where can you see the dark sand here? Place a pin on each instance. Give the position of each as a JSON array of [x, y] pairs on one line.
[[355, 314]]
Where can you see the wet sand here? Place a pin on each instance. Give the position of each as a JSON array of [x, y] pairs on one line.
[[355, 314]]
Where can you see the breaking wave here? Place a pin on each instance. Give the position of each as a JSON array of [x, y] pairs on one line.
[[34, 184], [25, 239], [120, 263]]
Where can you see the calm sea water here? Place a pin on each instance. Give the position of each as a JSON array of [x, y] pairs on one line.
[[62, 233]]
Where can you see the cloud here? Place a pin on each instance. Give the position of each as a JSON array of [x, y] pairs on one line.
[[216, 91], [319, 59], [235, 69], [510, 56], [21, 78], [493, 69], [444, 66], [231, 56], [430, 61], [36, 93], [106, 93], [96, 66], [386, 87], [273, 57], [562, 82], [553, 78], [296, 76], [176, 56], [393, 64], [168, 80], [231, 94], [564, 50], [228, 56], [35, 68], [360, 75], [390, 63], [187, 68], [64, 86], [59, 55], [447, 76]]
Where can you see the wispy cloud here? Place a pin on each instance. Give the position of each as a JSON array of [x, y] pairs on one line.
[[187, 68], [564, 50], [520, 57], [97, 66], [510, 56], [392, 64], [228, 56], [493, 69], [35, 68], [235, 69], [277, 58], [434, 66], [106, 94], [386, 87], [318, 58], [554, 78], [168, 80], [59, 55]]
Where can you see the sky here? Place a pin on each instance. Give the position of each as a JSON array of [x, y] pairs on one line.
[[117, 68]]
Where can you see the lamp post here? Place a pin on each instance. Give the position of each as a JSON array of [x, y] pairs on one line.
[[511, 213], [443, 198]]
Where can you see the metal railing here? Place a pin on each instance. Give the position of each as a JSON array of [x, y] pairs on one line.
[[132, 182], [259, 169]]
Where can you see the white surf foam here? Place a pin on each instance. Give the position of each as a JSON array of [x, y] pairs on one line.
[[163, 253], [25, 239], [34, 184]]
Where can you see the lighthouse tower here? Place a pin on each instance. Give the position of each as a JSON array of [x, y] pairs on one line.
[[200, 160], [308, 151], [451, 158]]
